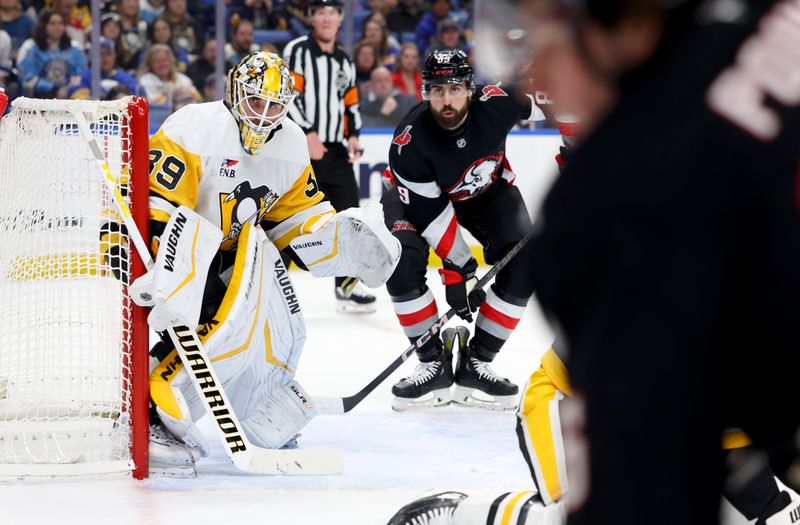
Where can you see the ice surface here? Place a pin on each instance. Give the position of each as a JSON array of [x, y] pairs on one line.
[[389, 458]]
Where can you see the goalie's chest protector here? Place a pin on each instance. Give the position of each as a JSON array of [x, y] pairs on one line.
[[230, 186]]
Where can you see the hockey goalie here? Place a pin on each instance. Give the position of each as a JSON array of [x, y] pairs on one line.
[[231, 187]]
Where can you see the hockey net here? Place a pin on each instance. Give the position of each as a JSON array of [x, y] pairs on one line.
[[73, 346]]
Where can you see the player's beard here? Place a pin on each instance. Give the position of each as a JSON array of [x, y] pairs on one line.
[[452, 121]]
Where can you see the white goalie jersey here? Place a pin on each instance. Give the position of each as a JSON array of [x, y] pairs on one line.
[[196, 160]]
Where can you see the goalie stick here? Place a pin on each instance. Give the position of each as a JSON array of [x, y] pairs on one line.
[[342, 405], [244, 455]]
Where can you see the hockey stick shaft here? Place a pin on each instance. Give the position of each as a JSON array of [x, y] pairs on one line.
[[244, 455], [346, 404]]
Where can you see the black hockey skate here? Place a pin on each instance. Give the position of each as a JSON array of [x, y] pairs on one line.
[[429, 384], [477, 385], [431, 510], [354, 300]]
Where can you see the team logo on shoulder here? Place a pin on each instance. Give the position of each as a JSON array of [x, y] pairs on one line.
[[492, 91], [226, 170], [477, 178], [244, 204], [402, 139]]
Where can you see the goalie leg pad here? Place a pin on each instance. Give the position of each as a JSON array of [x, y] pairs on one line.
[[354, 243], [256, 337], [175, 284], [280, 416]]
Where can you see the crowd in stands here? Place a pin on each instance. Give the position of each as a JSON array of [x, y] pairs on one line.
[[165, 50]]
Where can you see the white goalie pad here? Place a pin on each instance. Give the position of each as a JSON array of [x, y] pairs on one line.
[[174, 285], [354, 243], [257, 335], [280, 416]]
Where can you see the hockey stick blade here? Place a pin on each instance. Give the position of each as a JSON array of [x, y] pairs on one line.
[[244, 455], [342, 405]]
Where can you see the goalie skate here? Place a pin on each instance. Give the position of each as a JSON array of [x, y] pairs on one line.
[[429, 385], [477, 384], [355, 300], [169, 457], [437, 509]]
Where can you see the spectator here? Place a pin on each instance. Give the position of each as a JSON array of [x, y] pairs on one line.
[[265, 14], [426, 29], [160, 32], [5, 49], [241, 42], [404, 17], [406, 77], [365, 58], [183, 96], [159, 76], [448, 36], [111, 77], [204, 66], [111, 28], [78, 19], [52, 62], [134, 32], [383, 106], [297, 12], [381, 6], [19, 26], [184, 34], [150, 9], [374, 32], [210, 89]]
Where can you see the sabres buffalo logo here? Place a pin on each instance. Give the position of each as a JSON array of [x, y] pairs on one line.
[[477, 178], [244, 204]]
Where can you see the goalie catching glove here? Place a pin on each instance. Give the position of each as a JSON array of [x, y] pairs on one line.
[[460, 288], [354, 243], [174, 285]]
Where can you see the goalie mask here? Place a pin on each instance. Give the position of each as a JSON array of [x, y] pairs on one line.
[[259, 91]]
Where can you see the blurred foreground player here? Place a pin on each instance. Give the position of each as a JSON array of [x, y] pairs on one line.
[[668, 252], [449, 165], [231, 184]]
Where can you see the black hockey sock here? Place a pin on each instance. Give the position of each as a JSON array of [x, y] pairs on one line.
[[485, 346]]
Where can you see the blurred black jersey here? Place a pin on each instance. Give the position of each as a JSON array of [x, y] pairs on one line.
[[669, 255]]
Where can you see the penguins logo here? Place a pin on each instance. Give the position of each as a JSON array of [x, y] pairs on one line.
[[477, 178], [244, 204]]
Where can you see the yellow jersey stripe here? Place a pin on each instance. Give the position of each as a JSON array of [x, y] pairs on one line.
[[296, 198], [509, 511]]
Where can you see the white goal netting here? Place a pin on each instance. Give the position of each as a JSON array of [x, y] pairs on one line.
[[65, 317]]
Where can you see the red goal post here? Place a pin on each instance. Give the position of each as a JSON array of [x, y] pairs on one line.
[[73, 345]]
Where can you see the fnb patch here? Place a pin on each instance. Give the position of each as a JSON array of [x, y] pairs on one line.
[[492, 91]]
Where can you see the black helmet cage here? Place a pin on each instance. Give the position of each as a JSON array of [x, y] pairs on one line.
[[447, 67]]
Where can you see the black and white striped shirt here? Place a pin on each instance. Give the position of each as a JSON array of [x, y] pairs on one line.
[[327, 100]]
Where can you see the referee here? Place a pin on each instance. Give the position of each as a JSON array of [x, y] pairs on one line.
[[327, 109]]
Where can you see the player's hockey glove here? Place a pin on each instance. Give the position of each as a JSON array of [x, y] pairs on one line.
[[459, 288]]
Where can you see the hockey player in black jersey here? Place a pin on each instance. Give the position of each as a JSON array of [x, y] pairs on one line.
[[448, 162]]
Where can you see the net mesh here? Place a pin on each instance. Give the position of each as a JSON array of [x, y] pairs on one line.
[[65, 316]]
